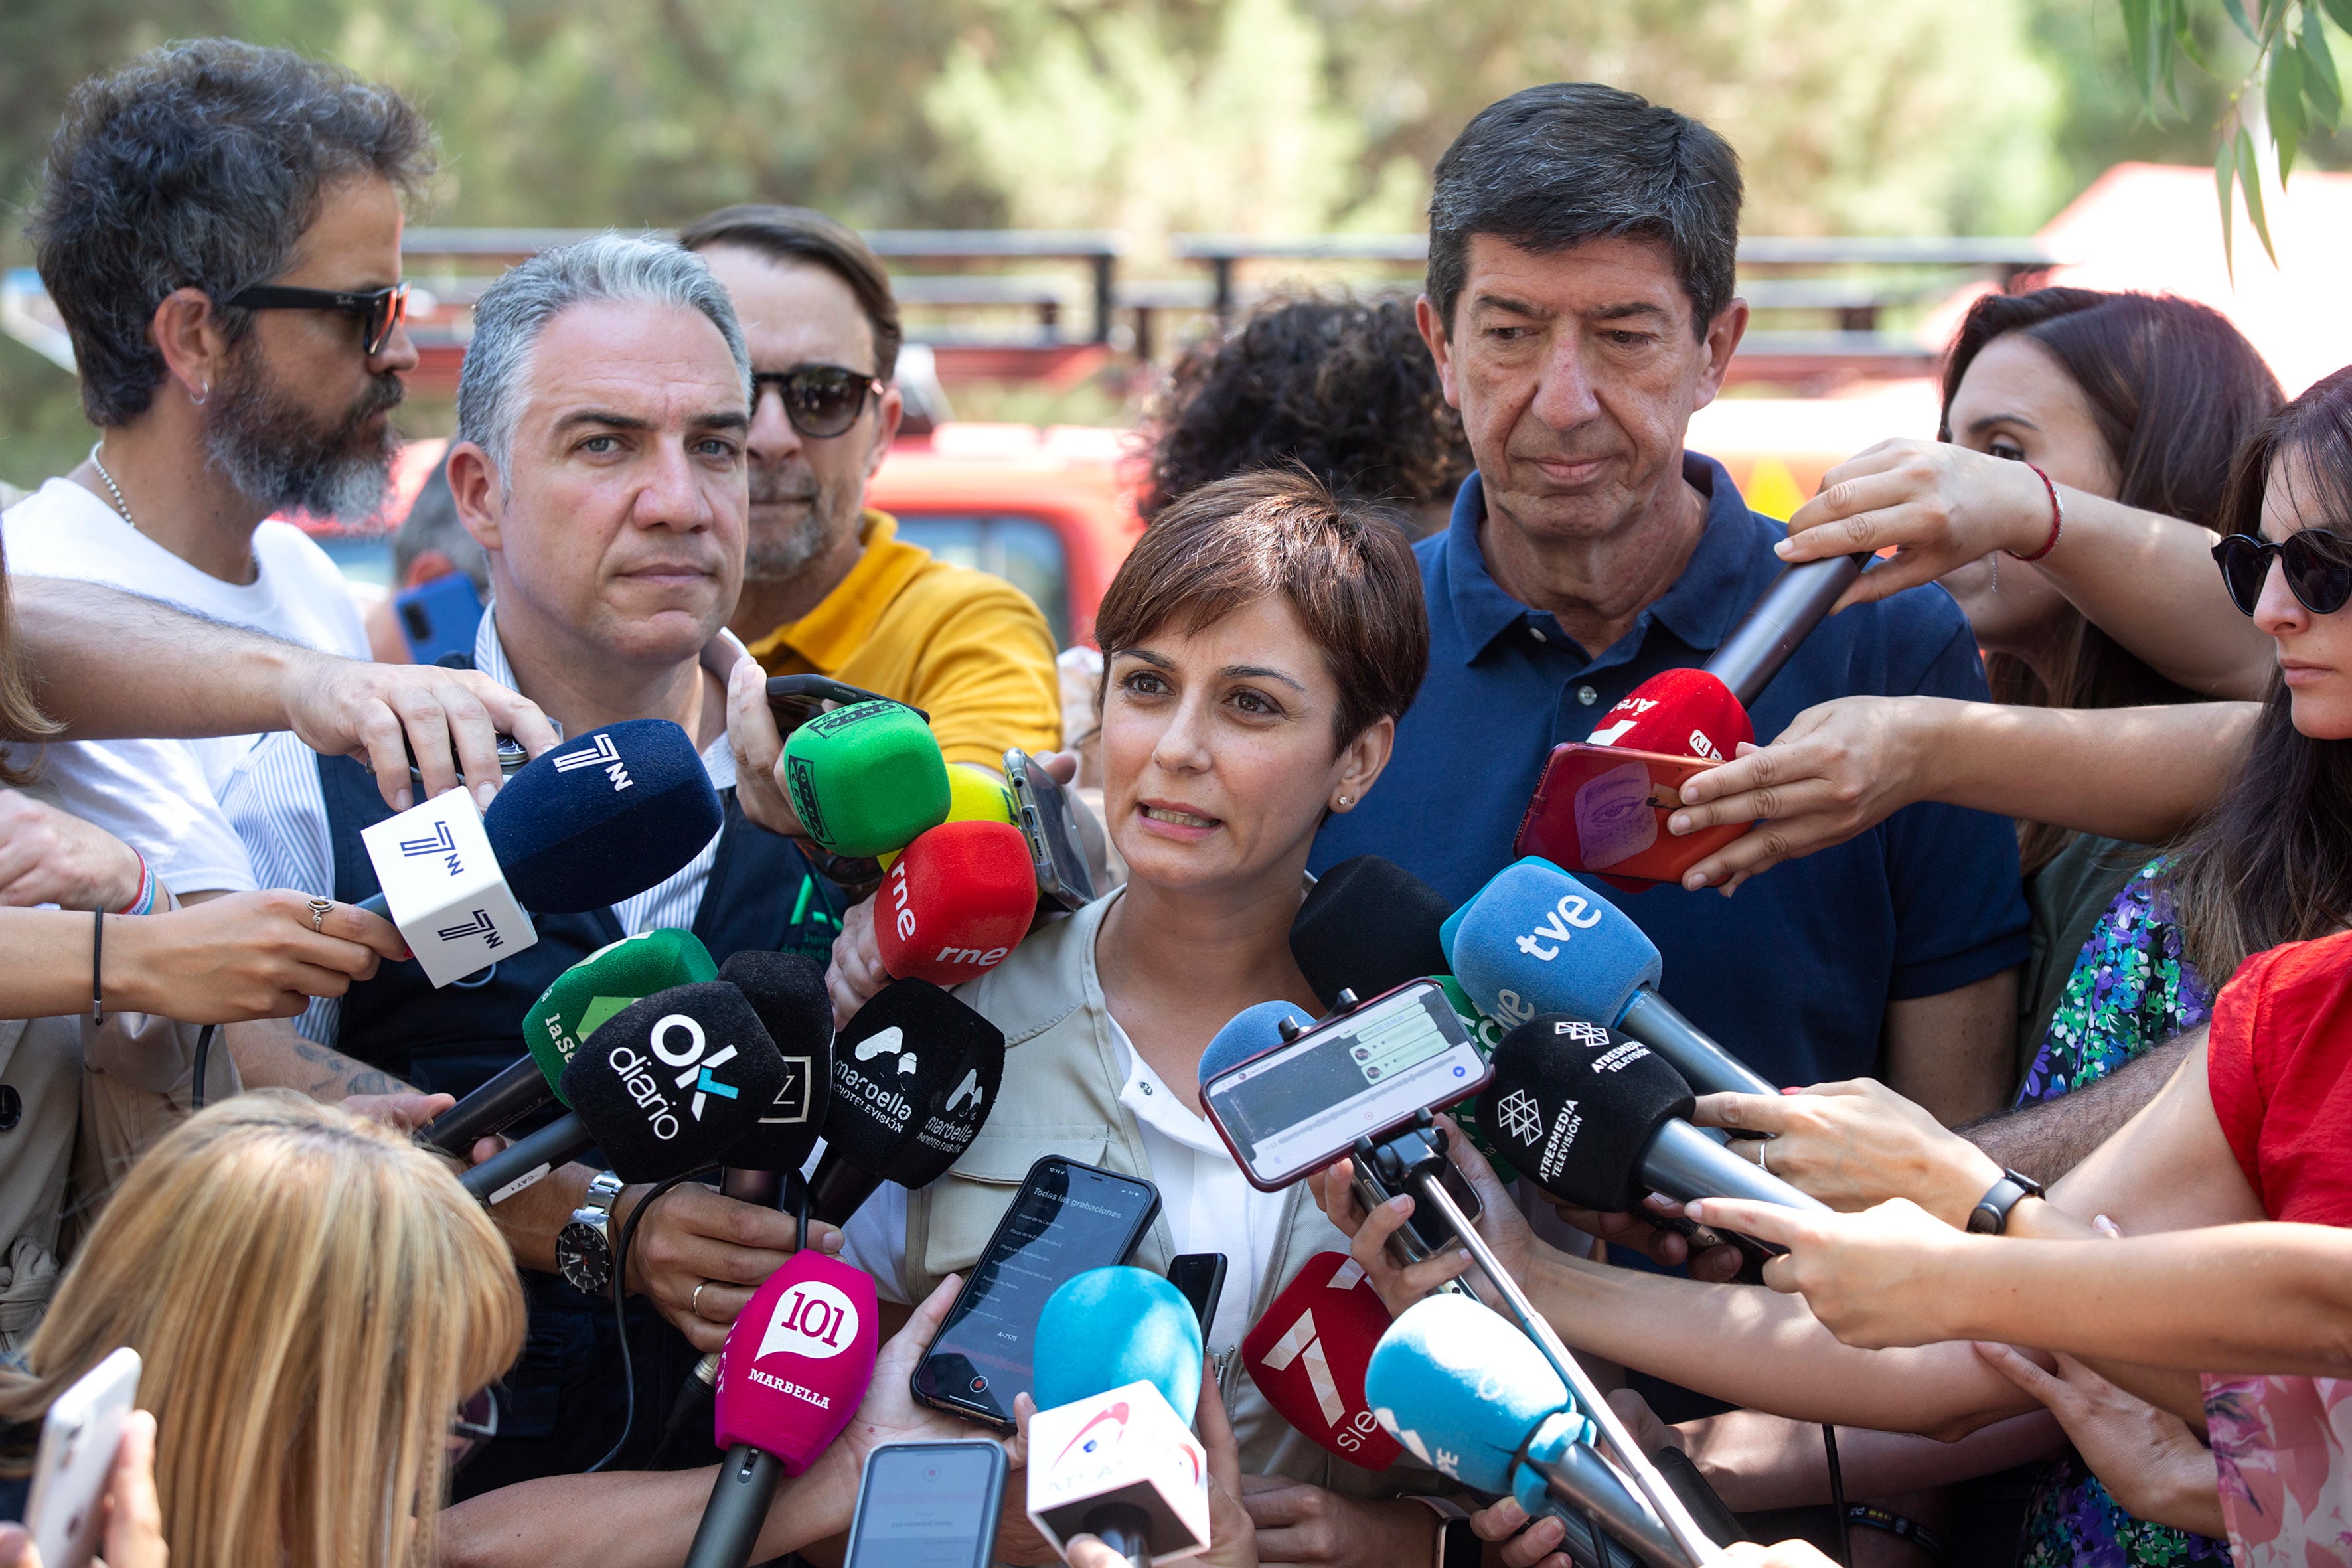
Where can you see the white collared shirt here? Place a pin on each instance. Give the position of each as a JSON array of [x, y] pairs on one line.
[[274, 804]]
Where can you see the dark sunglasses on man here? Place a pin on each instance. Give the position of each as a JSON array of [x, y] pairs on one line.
[[379, 310], [2318, 569], [821, 400]]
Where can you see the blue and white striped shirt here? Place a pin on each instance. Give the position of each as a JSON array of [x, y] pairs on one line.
[[274, 801]]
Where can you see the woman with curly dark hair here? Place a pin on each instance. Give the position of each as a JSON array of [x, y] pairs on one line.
[[1341, 387]]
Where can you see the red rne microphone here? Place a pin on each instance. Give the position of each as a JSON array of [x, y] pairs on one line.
[[1309, 1354], [795, 1366], [956, 902], [1682, 712]]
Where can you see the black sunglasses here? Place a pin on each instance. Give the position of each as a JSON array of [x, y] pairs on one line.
[[379, 311], [2318, 574], [821, 400]]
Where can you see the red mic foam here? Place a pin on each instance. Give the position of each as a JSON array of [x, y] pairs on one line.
[[798, 1360], [956, 902], [1309, 1354], [1681, 712]]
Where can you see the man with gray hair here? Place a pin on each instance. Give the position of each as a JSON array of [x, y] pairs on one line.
[[600, 464]]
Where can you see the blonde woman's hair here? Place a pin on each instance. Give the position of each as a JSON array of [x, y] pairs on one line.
[[21, 717], [312, 1296]]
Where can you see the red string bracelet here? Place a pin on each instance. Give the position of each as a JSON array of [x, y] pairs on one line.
[[2057, 517]]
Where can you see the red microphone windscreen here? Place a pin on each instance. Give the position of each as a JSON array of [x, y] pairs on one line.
[[1681, 712], [956, 902], [798, 1360], [1309, 1354]]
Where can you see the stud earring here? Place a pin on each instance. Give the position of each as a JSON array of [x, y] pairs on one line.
[[1346, 801], [201, 398]]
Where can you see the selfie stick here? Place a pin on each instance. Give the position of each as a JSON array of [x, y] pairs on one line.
[[1420, 1150]]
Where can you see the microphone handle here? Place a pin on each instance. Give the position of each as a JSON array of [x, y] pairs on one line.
[[838, 1189], [1791, 608], [1124, 1528], [1706, 1066], [1684, 1163], [1583, 1480], [737, 1506], [518, 1090], [563, 1140]]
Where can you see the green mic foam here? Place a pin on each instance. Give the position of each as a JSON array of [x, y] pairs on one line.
[[1485, 1035], [602, 984], [865, 779]]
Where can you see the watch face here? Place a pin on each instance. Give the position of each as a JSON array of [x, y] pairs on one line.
[[583, 1257]]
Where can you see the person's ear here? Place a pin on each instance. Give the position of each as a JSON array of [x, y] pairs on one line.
[[887, 412], [426, 566], [188, 332], [474, 486], [1361, 762], [1723, 335], [1433, 333]]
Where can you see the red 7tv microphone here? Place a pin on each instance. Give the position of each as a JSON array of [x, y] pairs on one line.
[[1307, 1355]]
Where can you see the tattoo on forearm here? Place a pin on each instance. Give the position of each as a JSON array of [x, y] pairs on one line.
[[345, 1076]]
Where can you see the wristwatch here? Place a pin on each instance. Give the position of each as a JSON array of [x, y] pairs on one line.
[[584, 1248], [1457, 1543], [1990, 1217]]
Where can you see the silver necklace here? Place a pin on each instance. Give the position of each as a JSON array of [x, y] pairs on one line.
[[112, 487]]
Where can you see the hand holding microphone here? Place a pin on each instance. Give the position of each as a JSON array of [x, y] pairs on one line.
[[1232, 1535], [1856, 1144]]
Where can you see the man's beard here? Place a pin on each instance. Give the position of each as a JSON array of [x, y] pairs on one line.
[[279, 452], [779, 548]]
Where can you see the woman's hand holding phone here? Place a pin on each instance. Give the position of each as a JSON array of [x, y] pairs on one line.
[[132, 1536]]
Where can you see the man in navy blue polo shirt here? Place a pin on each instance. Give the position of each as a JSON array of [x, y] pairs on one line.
[[1580, 309]]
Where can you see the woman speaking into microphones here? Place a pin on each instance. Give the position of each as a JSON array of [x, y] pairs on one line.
[[1259, 643]]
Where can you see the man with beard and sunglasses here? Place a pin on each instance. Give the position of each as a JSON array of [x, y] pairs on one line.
[[219, 227], [828, 587]]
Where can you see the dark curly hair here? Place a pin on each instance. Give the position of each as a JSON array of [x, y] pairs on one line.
[[198, 166], [1343, 388]]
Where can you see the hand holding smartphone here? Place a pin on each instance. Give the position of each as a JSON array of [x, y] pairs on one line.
[[1602, 810], [64, 1515], [928, 1505]]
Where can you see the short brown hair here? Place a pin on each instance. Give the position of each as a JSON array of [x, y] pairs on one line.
[[1341, 564], [808, 237]]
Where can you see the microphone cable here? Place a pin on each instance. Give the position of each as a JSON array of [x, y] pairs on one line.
[[1837, 1490], [621, 1316], [204, 1057]]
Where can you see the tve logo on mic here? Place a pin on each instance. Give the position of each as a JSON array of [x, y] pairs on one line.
[[444, 890]]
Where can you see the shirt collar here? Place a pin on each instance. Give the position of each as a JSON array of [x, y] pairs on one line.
[[1149, 1100], [1700, 607], [845, 619], [720, 656]]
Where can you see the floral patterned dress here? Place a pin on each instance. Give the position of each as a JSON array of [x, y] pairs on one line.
[[2286, 1489], [2130, 991]]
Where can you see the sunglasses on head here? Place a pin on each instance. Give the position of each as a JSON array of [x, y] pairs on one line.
[[379, 311], [2318, 569], [821, 400]]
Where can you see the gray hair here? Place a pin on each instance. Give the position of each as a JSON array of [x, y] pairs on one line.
[[629, 268]]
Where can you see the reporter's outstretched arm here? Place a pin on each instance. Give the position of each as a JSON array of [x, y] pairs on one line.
[[1842, 767], [647, 1520]]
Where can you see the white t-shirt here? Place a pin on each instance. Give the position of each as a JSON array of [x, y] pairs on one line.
[[1208, 1203], [162, 796]]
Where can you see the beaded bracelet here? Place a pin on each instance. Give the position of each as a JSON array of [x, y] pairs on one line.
[[2057, 516], [1897, 1526]]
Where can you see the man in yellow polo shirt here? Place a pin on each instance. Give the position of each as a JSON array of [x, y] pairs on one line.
[[828, 588]]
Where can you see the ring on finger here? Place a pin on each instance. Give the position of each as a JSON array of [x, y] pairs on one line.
[[694, 1302], [1762, 1149], [319, 910]]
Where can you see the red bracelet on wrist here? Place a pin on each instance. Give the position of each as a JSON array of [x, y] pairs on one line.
[[2057, 518]]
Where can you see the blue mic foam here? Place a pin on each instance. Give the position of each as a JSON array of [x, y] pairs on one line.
[[1111, 1327], [1460, 1387], [1246, 1034], [1451, 924], [603, 816], [1536, 940]]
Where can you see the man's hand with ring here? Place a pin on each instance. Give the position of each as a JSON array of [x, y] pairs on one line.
[[699, 1255]]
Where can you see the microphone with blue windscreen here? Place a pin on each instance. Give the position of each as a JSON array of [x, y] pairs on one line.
[[1536, 940], [1252, 1032], [1111, 1452]]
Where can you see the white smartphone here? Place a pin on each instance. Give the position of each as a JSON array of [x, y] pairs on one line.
[[78, 1439]]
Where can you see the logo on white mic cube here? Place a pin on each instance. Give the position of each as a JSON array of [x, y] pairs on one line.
[[444, 889], [1126, 1445]]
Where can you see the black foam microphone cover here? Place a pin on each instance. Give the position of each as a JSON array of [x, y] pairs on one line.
[[673, 1082], [603, 816], [788, 992], [914, 1075], [1575, 1106], [1368, 926]]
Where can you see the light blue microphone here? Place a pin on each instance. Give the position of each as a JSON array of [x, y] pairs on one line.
[[1536, 940], [1109, 1327], [1251, 1032]]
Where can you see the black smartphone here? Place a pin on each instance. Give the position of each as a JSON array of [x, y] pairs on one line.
[[928, 1505], [1048, 820], [1201, 1276], [1065, 1219]]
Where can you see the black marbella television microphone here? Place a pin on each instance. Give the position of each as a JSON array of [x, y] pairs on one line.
[[1602, 1120], [914, 1075], [667, 1085]]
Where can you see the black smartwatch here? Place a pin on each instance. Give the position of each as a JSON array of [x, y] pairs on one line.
[[1990, 1217]]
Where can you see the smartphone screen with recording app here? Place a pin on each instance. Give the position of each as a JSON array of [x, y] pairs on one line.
[[1602, 810], [1294, 1109], [1065, 1219], [928, 1505]]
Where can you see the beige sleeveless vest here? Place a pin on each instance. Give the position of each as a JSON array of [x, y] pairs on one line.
[[1060, 1096]]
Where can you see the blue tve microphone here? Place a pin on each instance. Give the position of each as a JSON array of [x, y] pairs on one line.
[[1251, 1032], [1111, 1452], [1536, 940], [1473, 1398]]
